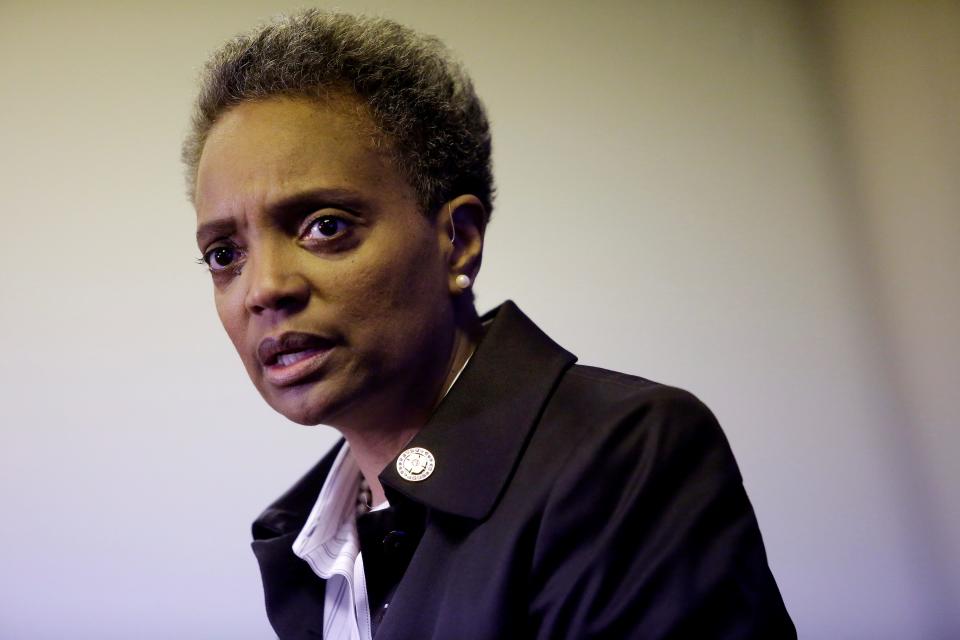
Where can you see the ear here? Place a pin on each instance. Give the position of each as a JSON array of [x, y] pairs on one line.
[[461, 224]]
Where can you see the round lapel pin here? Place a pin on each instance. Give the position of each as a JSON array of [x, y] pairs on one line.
[[415, 464]]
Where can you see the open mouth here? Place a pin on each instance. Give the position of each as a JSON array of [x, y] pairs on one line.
[[287, 359], [292, 357]]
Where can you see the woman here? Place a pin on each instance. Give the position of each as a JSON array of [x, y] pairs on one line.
[[486, 486]]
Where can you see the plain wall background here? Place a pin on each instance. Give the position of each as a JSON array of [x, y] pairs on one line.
[[755, 200]]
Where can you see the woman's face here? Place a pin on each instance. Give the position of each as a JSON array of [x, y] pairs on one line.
[[331, 282]]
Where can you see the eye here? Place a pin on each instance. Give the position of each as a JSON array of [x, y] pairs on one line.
[[326, 228], [221, 257]]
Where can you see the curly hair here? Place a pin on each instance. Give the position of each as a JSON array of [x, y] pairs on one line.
[[417, 94]]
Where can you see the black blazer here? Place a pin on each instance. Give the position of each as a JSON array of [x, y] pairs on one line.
[[566, 502]]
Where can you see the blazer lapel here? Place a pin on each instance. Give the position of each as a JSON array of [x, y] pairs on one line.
[[477, 435], [479, 430], [293, 595]]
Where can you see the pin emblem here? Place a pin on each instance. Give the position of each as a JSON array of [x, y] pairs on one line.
[[415, 464]]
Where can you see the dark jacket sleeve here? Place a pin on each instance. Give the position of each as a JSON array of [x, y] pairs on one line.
[[648, 533]]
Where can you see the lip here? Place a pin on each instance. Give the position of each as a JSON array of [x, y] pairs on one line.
[[292, 357]]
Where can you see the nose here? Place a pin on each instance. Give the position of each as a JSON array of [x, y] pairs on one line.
[[275, 282]]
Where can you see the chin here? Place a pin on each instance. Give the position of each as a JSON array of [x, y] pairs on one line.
[[307, 419], [308, 404]]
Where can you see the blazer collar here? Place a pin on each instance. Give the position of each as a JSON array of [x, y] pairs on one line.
[[480, 428]]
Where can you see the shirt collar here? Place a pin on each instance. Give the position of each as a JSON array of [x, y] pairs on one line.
[[329, 538]]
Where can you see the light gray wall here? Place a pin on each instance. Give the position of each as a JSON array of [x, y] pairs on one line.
[[746, 199]]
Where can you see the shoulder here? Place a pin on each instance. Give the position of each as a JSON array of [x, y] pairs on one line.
[[621, 419], [598, 389], [646, 530], [609, 442]]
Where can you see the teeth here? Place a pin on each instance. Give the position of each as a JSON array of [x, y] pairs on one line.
[[287, 359]]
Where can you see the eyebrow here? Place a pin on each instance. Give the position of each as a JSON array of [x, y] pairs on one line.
[[325, 196], [215, 229], [293, 204]]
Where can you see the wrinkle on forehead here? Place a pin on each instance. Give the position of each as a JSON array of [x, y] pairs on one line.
[[285, 133]]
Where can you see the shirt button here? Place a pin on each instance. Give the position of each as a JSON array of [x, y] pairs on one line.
[[394, 540]]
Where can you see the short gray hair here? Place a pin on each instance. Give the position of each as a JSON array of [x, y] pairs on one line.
[[417, 94]]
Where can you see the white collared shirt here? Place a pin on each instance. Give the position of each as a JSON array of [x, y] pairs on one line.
[[330, 545]]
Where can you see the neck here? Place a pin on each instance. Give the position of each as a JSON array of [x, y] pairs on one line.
[[374, 448]]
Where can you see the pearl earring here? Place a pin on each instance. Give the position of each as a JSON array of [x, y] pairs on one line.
[[462, 281]]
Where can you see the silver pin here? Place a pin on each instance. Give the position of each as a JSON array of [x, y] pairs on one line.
[[415, 464]]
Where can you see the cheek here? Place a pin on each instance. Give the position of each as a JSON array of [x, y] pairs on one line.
[[405, 283], [398, 293], [369, 292], [232, 318]]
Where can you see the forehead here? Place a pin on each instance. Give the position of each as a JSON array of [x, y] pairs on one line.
[[267, 149]]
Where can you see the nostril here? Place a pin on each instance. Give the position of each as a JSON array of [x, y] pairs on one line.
[[290, 303], [273, 289], [285, 303]]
